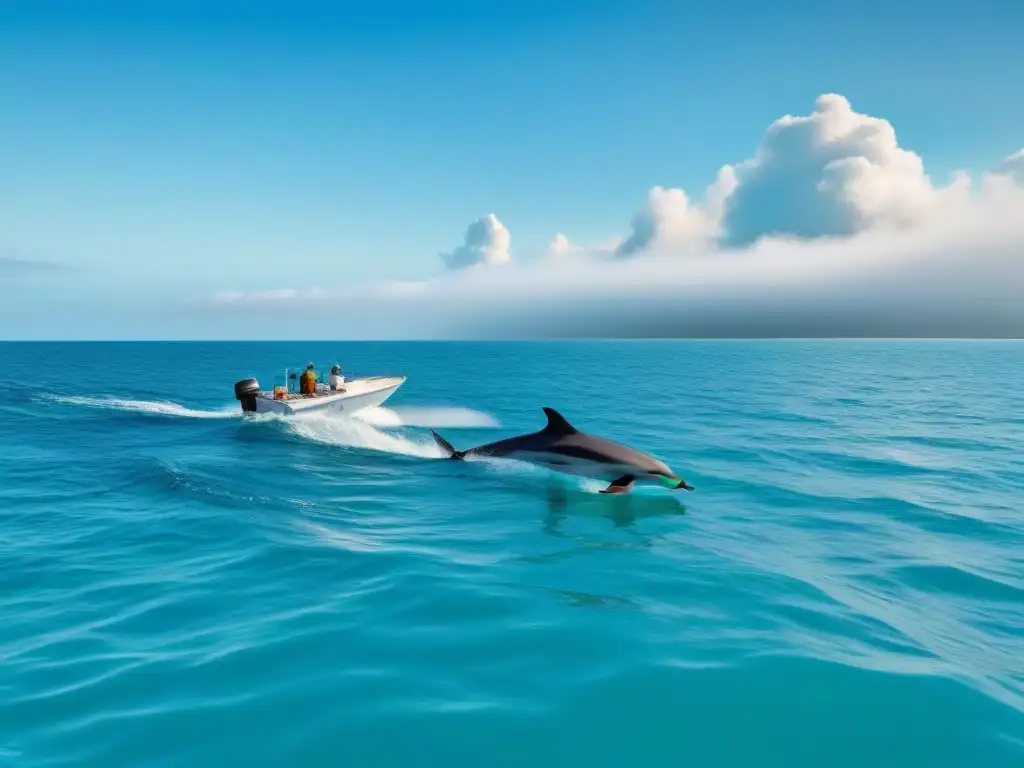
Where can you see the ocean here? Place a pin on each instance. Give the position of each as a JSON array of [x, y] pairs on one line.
[[185, 586]]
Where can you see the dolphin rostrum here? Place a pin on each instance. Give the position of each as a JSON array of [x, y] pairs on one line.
[[563, 448]]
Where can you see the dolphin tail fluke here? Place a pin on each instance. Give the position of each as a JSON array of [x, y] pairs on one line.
[[446, 447], [622, 485]]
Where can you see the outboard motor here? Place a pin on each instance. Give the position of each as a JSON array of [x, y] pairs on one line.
[[245, 392]]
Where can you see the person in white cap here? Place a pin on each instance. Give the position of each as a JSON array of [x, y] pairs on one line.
[[336, 380]]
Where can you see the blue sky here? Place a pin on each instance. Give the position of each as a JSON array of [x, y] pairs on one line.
[[177, 150]]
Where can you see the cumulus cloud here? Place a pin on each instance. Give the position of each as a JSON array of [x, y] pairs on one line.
[[834, 172], [487, 242], [668, 218], [561, 247]]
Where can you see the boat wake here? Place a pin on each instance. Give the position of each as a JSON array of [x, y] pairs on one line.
[[158, 407], [378, 416], [356, 433], [377, 429]]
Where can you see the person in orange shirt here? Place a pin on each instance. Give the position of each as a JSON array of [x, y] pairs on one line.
[[307, 381]]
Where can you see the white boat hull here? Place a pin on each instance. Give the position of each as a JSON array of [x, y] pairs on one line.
[[358, 394]]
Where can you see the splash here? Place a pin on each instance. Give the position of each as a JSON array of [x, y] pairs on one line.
[[373, 428], [425, 416], [382, 429], [162, 408], [515, 471], [354, 433]]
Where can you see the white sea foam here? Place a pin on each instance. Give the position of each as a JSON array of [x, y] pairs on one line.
[[354, 433], [403, 416], [425, 416], [367, 429], [164, 408]]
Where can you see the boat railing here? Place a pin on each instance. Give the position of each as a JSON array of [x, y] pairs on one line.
[[291, 378]]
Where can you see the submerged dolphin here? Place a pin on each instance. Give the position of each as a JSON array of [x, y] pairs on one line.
[[563, 448]]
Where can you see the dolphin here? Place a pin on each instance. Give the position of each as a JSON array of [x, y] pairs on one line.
[[563, 448]]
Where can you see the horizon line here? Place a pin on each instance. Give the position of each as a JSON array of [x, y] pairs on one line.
[[513, 340]]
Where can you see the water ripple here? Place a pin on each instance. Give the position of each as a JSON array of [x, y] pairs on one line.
[[183, 586]]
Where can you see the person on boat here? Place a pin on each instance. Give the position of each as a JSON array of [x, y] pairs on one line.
[[307, 381], [336, 380]]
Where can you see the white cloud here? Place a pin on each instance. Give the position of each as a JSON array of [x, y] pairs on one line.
[[670, 220], [667, 217], [487, 242], [255, 297], [833, 172], [561, 247]]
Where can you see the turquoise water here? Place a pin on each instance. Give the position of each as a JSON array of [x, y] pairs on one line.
[[181, 586]]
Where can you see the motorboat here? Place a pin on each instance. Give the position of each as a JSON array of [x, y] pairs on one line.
[[354, 395]]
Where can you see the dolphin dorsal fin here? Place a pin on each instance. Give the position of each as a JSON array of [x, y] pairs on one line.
[[557, 425]]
